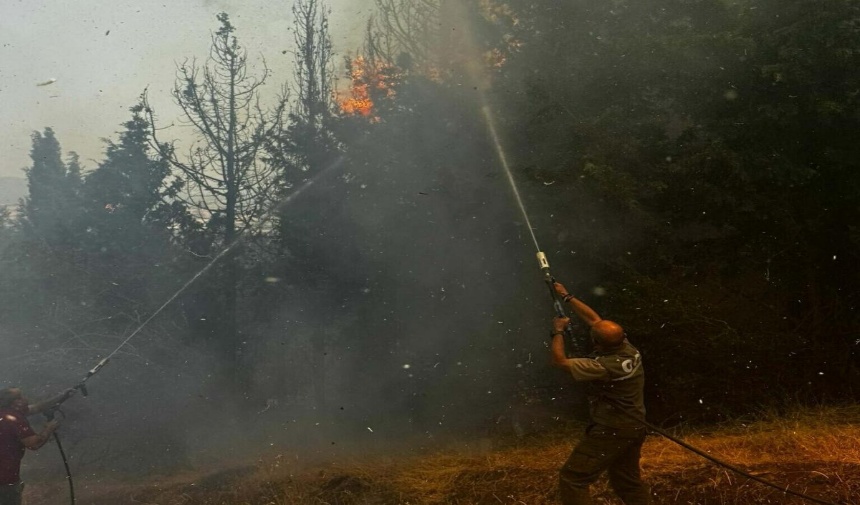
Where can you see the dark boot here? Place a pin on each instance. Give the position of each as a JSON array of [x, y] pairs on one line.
[[572, 495]]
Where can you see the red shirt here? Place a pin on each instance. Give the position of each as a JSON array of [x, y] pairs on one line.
[[14, 427]]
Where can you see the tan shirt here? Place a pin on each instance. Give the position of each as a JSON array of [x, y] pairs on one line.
[[588, 369], [616, 382]]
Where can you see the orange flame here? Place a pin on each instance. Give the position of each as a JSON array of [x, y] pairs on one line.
[[359, 101], [369, 80]]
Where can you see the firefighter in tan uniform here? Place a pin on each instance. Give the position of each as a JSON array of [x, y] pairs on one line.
[[613, 440]]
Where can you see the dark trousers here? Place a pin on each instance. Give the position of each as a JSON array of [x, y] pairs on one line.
[[10, 494], [605, 449]]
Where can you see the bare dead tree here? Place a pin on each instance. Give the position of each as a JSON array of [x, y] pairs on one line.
[[228, 178], [224, 168], [405, 33], [312, 81], [298, 148]]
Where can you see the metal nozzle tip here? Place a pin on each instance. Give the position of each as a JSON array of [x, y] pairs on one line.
[[541, 257]]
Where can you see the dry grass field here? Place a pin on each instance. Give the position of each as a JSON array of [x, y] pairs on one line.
[[813, 451]]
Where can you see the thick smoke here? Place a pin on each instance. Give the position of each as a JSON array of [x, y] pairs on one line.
[[426, 309]]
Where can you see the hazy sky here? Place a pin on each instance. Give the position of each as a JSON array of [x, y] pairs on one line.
[[104, 53]]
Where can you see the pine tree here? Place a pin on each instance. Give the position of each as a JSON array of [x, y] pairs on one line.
[[51, 208], [130, 218]]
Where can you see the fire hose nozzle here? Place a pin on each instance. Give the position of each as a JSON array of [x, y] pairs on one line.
[[544, 264], [97, 367]]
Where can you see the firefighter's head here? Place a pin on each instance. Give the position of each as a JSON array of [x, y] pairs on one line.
[[13, 399], [607, 334]]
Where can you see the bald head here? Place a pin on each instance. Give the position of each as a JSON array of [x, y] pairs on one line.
[[607, 333], [8, 397]]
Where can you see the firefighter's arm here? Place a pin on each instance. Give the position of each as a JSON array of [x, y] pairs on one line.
[[34, 442], [559, 356], [582, 369], [586, 313], [42, 406]]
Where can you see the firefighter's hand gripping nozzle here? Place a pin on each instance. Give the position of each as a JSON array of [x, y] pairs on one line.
[[577, 345]]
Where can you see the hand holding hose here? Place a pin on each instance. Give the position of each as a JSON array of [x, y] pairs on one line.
[[559, 324], [62, 397]]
